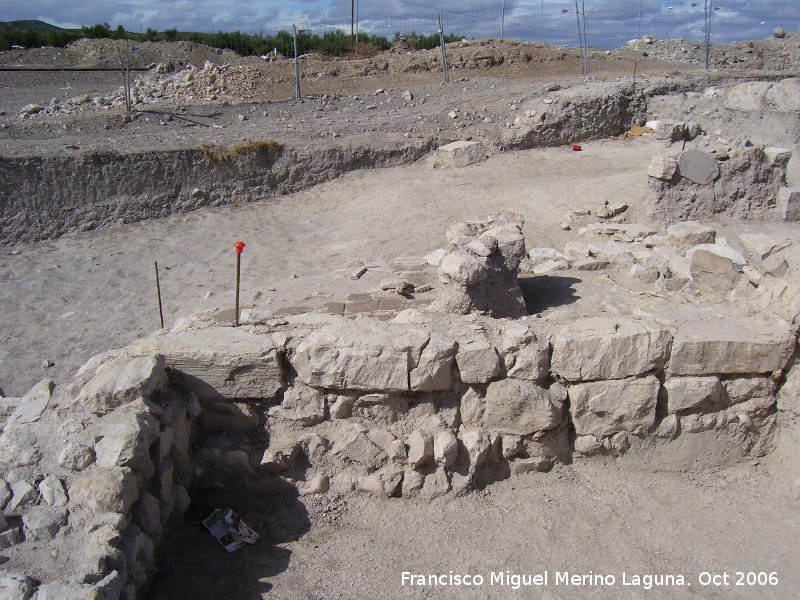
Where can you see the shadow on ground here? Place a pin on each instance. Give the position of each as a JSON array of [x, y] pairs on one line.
[[192, 564], [547, 291]]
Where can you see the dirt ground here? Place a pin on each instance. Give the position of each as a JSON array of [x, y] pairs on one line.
[[669, 513]]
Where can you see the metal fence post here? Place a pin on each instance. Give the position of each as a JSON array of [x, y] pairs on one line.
[[585, 41], [297, 94], [502, 19], [708, 36], [445, 68]]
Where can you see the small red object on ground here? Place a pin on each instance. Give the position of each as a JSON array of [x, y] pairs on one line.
[[239, 247], [576, 148]]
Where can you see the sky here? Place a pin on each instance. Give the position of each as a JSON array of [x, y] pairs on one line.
[[609, 23]]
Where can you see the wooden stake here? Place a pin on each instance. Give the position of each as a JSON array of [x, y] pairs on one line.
[[158, 289]]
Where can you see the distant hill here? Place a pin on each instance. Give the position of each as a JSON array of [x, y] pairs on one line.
[[29, 24]]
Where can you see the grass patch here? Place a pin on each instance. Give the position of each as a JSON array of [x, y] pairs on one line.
[[217, 154]]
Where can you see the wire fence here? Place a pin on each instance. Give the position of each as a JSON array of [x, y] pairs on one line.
[[608, 23]]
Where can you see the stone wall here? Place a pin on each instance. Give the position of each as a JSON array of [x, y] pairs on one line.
[[426, 405]]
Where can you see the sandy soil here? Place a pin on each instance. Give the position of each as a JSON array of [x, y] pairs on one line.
[[70, 298]]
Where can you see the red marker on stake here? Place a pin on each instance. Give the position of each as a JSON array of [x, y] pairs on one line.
[[239, 247]]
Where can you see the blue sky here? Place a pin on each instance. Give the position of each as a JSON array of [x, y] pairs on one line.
[[608, 22]]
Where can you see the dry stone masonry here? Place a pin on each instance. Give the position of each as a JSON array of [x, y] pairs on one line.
[[430, 403]]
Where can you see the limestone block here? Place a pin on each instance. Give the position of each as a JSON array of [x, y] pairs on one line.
[[75, 457], [19, 446], [122, 380], [127, 436], [435, 369], [412, 483], [33, 403], [676, 131], [588, 445], [445, 449], [663, 167], [359, 449], [303, 404], [778, 157], [15, 586], [743, 389], [463, 268], [5, 494], [721, 250], [603, 408], [436, 484], [472, 407], [318, 484], [698, 166], [43, 523], [53, 492], [688, 393], [478, 362], [532, 361], [746, 97], [420, 448], [477, 446], [220, 362], [361, 355], [763, 246], [784, 96], [690, 233], [520, 407], [713, 269], [69, 591], [105, 490], [459, 154], [608, 348], [22, 494], [148, 513], [730, 345]]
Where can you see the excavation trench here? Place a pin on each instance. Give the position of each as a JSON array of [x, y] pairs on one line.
[[45, 197]]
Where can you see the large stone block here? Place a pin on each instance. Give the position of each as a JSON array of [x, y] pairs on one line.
[[603, 408], [730, 345], [687, 393], [690, 233], [478, 362], [784, 96], [519, 407], [746, 97], [789, 203], [360, 355], [435, 369], [459, 154], [105, 490], [122, 380], [608, 348], [127, 437], [220, 362]]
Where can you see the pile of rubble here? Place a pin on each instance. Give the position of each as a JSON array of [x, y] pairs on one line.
[[210, 84], [426, 404], [781, 53]]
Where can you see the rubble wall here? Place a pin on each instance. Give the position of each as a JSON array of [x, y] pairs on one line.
[[427, 405]]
